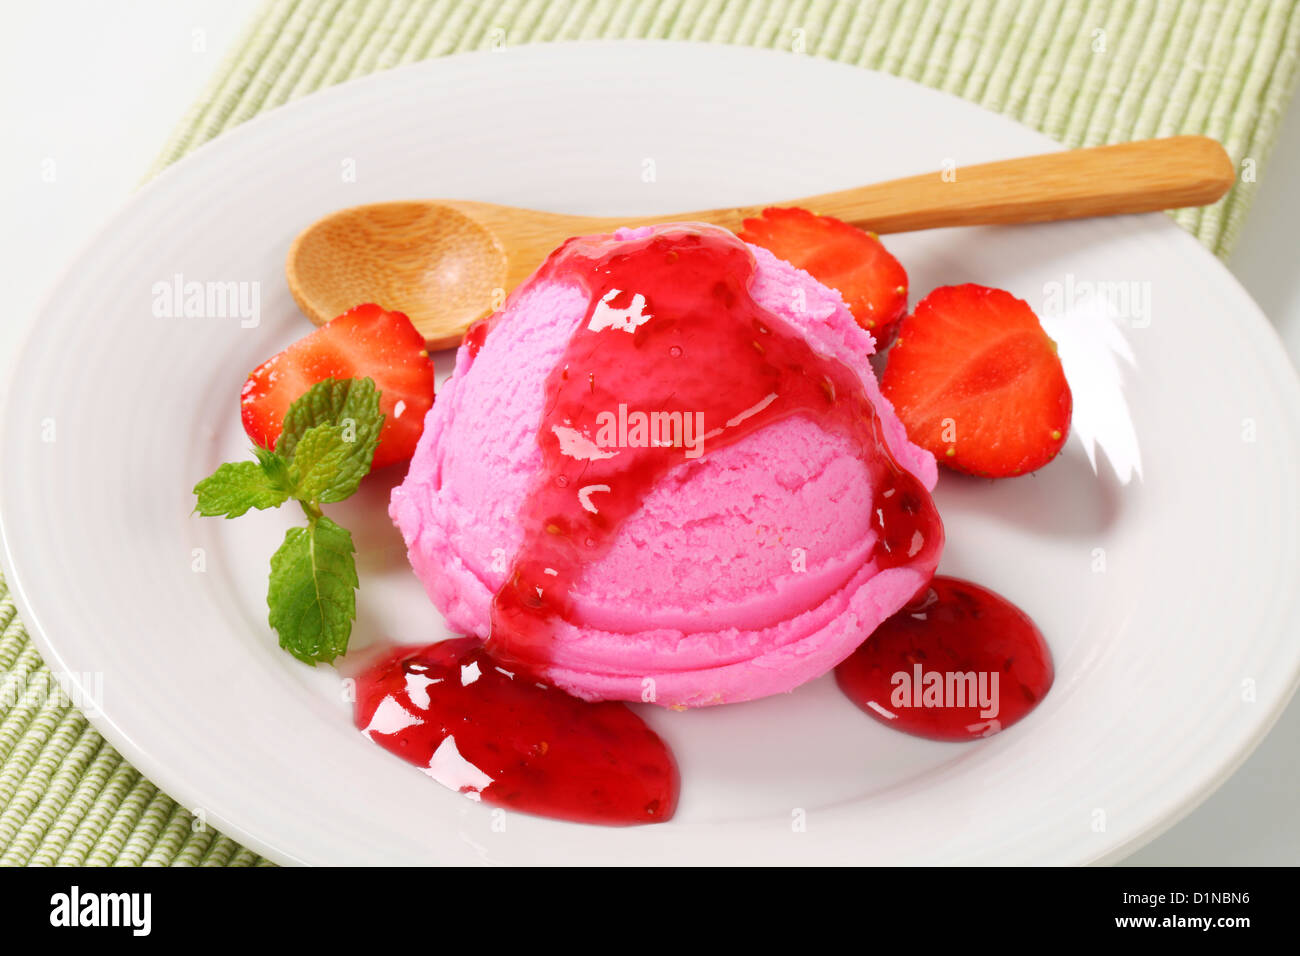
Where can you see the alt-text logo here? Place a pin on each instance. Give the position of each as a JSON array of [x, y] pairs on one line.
[[634, 429], [182, 298], [922, 688], [75, 908]]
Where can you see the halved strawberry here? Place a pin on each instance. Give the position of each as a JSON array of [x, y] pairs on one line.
[[978, 383], [855, 263], [364, 342]]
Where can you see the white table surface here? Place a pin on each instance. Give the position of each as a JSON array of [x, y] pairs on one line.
[[98, 86]]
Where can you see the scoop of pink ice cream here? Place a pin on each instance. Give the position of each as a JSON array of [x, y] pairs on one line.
[[744, 573]]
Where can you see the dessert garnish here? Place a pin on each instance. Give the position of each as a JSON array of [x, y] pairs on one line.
[[978, 383], [853, 262], [324, 449], [364, 342]]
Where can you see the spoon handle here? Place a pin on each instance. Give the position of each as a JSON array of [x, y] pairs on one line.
[[1143, 176]]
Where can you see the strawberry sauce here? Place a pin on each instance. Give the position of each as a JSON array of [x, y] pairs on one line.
[[958, 663], [500, 737]]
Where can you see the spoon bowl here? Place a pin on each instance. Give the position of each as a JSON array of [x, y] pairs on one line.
[[429, 260], [449, 262]]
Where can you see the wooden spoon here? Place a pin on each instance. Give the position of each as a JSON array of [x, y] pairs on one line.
[[448, 262]]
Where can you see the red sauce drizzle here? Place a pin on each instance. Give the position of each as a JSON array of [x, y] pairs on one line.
[[476, 335], [952, 629], [688, 340]]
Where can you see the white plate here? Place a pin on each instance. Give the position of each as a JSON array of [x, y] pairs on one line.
[[1172, 660]]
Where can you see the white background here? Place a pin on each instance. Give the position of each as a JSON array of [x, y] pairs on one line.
[[97, 87]]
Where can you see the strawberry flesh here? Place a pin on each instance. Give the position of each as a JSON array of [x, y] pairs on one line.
[[853, 262], [364, 342], [977, 382]]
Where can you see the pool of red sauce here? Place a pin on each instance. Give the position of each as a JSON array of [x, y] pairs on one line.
[[670, 327], [958, 663], [505, 739]]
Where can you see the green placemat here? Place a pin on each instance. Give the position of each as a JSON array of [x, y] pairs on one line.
[[1082, 72]]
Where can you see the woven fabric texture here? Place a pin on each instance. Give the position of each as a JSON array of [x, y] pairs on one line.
[[1083, 71]]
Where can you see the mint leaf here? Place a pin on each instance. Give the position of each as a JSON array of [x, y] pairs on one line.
[[350, 402], [237, 486], [326, 466], [312, 593], [275, 467]]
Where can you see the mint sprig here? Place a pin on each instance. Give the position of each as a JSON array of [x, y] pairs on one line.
[[326, 446], [312, 594]]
